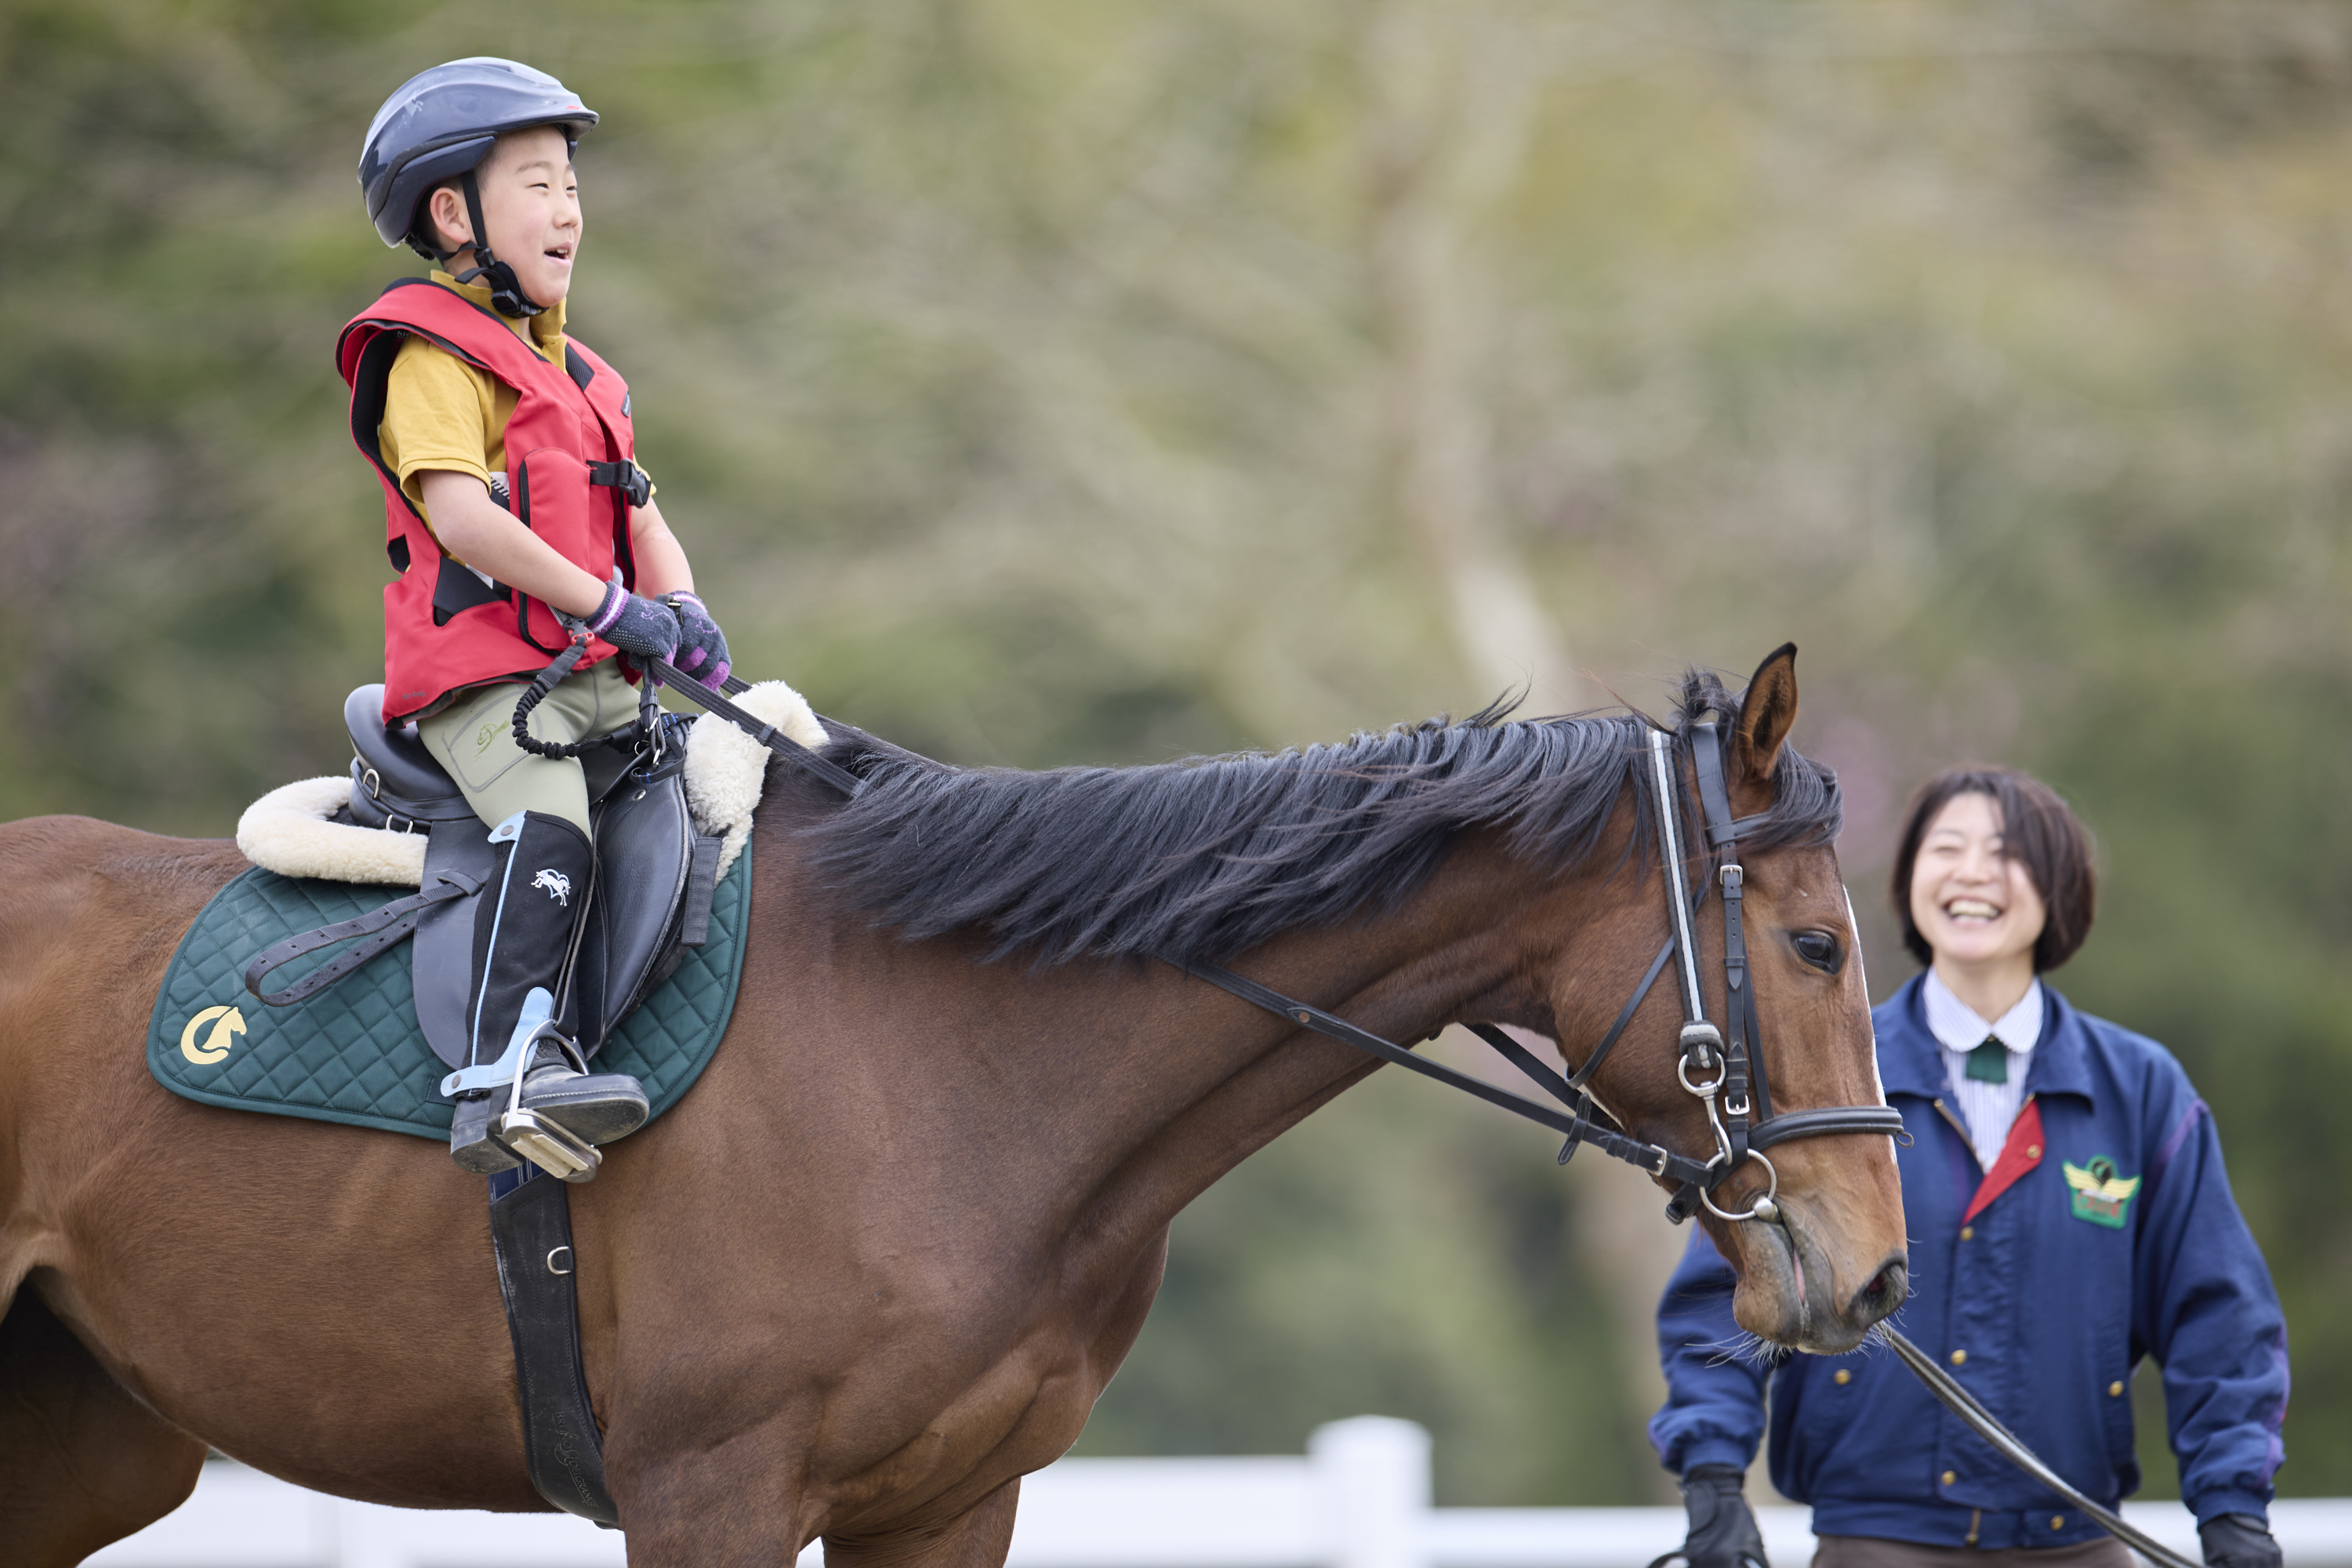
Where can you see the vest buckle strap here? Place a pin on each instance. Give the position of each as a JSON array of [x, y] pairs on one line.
[[626, 477]]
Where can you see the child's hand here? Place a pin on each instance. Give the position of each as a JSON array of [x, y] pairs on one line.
[[701, 645], [634, 624]]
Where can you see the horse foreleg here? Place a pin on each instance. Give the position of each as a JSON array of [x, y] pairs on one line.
[[978, 1538], [81, 1462]]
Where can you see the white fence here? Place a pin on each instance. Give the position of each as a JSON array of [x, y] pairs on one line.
[[1359, 1497]]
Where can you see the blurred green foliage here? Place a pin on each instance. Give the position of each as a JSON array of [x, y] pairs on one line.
[[1048, 380]]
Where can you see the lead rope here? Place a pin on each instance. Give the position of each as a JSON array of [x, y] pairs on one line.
[[1986, 1425]]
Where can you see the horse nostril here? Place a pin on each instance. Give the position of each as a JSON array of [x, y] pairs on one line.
[[1885, 1292]]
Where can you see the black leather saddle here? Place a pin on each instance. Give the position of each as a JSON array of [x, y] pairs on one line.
[[654, 880]]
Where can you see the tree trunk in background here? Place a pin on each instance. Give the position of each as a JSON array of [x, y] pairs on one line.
[[1450, 91], [1450, 96]]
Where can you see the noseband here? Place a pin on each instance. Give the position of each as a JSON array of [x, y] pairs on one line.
[[1726, 1076]]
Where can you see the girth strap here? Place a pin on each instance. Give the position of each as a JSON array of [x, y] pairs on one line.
[[531, 1232], [388, 926]]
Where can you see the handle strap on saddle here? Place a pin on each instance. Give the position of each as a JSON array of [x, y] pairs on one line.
[[386, 927]]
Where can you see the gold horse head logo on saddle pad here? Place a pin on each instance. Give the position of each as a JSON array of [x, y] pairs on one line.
[[226, 1021]]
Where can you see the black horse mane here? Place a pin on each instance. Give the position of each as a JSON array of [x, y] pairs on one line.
[[1207, 858]]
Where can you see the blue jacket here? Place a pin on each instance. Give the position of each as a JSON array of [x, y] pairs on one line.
[[2053, 1293]]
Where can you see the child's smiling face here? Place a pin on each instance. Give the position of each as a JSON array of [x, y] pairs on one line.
[[531, 205]]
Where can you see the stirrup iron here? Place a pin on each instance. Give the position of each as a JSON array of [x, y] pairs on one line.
[[484, 1140], [552, 1148], [547, 1145]]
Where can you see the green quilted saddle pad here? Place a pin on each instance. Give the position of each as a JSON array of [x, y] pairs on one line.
[[353, 1053]]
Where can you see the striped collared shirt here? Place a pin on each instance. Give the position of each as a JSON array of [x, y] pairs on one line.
[[1986, 1110]]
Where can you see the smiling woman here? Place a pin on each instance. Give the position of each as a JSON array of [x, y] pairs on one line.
[[1979, 849], [2068, 1214]]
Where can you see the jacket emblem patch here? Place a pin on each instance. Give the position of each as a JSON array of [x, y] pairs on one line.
[[2099, 1195]]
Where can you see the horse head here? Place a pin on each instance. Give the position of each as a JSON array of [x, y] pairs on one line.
[[1823, 1257]]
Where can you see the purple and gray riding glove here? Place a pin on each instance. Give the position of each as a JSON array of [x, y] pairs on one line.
[[634, 624], [701, 645]]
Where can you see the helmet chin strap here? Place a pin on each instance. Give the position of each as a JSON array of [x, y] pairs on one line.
[[506, 290]]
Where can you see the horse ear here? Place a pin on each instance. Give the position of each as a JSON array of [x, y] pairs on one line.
[[1768, 711]]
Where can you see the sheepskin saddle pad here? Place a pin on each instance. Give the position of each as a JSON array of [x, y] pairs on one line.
[[354, 1052]]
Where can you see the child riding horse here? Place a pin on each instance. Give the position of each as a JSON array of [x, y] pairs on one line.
[[519, 522]]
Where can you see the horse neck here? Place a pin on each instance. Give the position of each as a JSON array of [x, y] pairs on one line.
[[1113, 1093]]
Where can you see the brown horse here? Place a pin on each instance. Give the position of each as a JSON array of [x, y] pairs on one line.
[[880, 1262]]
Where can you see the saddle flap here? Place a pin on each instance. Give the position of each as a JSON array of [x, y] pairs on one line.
[[442, 955], [644, 853]]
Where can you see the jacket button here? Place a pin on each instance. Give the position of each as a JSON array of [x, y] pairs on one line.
[[2057, 1522], [1967, 1233], [2033, 1150], [2114, 1391], [1948, 1478], [1960, 1358], [1841, 1377]]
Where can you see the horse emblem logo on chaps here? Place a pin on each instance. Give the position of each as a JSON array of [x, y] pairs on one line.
[[227, 1024], [557, 886]]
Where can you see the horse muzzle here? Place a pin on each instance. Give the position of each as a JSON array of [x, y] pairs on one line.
[[1791, 1292]]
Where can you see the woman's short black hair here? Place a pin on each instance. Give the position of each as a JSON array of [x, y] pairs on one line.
[[2038, 830]]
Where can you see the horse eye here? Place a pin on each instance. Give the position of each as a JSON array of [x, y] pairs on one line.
[[1819, 949]]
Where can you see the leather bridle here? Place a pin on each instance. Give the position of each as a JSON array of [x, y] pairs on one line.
[[1726, 1076]]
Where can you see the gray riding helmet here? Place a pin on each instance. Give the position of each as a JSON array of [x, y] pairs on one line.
[[441, 123]]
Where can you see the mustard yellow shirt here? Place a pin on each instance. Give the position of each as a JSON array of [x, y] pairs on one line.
[[440, 412]]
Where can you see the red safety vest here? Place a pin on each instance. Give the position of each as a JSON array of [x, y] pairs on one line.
[[571, 478]]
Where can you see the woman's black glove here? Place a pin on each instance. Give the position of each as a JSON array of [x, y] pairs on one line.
[[1723, 1532], [701, 645], [634, 624], [2238, 1540]]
